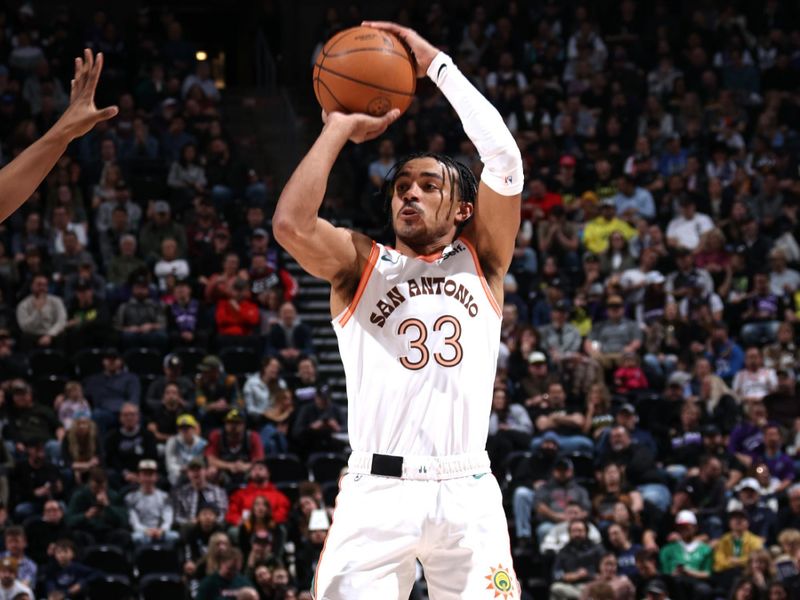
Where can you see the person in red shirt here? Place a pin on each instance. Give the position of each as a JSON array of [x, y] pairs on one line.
[[258, 485], [237, 317], [233, 450], [537, 201], [629, 376]]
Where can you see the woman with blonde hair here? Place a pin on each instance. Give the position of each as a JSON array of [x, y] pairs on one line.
[[760, 570], [786, 561], [80, 448], [598, 411]]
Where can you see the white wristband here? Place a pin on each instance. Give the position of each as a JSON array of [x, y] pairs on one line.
[[483, 125]]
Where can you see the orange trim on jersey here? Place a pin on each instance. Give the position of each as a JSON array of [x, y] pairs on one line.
[[485, 285], [372, 260], [325, 543], [429, 258]]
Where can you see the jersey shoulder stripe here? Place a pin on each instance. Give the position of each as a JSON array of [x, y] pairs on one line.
[[372, 259]]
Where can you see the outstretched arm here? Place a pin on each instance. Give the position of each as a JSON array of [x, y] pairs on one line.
[[20, 177], [497, 211], [331, 253]]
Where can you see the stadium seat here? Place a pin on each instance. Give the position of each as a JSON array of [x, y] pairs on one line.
[[88, 362], [584, 466], [143, 361], [158, 586], [105, 587], [156, 559], [326, 466], [45, 389], [286, 468], [239, 360], [47, 361], [290, 489], [190, 357], [109, 559]]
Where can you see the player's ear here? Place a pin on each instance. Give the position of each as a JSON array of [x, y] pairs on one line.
[[464, 212]]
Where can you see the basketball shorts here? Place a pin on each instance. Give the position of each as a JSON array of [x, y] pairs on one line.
[[445, 512]]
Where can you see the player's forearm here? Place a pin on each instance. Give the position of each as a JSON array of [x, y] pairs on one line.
[[483, 125], [20, 178], [300, 200]]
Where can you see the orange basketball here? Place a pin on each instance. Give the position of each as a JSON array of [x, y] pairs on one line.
[[364, 70]]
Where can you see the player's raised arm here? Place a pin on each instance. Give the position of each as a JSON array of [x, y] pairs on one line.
[[325, 251], [497, 212], [20, 177]]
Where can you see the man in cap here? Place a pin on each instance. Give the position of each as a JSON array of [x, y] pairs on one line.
[[160, 227], [10, 586], [173, 373], [633, 202], [88, 318], [714, 445], [233, 449], [599, 229], [20, 178], [533, 386], [34, 480], [733, 549], [150, 510], [183, 447], [141, 321], [41, 316], [198, 493], [216, 392], [760, 516], [687, 278], [686, 230], [688, 558], [560, 337], [110, 389], [127, 444], [258, 484], [576, 563], [553, 415], [609, 339]]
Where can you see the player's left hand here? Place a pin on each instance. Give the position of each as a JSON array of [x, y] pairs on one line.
[[82, 114], [424, 52]]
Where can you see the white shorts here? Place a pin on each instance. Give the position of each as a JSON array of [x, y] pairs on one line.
[[456, 527]]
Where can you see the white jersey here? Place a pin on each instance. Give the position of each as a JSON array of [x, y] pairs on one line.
[[419, 343]]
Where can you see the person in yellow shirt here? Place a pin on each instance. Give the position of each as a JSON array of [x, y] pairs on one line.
[[599, 229], [735, 547]]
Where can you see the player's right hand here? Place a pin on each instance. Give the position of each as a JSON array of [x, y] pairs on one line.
[[424, 52], [81, 114], [360, 127]]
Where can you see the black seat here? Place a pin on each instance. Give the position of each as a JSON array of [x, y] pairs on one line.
[[329, 492], [239, 360], [88, 362], [286, 468], [156, 559], [47, 361], [584, 466], [104, 587], [290, 489], [190, 357], [326, 466], [109, 559], [158, 586], [45, 389], [143, 361]]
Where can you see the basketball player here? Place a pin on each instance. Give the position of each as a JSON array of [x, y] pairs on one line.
[[20, 178], [418, 328]]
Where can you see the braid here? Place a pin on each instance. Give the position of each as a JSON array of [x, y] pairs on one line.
[[461, 178]]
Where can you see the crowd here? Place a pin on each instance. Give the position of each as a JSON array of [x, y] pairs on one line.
[[156, 377]]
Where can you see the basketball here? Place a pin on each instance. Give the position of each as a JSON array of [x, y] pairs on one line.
[[364, 70]]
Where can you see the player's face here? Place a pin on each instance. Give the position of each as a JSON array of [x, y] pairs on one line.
[[425, 208]]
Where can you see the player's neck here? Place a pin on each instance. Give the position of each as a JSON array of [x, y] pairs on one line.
[[431, 249]]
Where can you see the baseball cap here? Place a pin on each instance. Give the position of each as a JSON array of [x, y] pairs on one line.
[[654, 278], [655, 587], [111, 352], [148, 464], [172, 361], [589, 196], [686, 517], [682, 251], [609, 201], [536, 357], [711, 430], [234, 415], [561, 305], [160, 206], [748, 483], [563, 464], [186, 421], [210, 362], [550, 436], [628, 408], [737, 513], [196, 463], [567, 161], [9, 562], [259, 232], [615, 300]]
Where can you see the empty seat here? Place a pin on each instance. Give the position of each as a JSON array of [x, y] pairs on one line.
[[88, 362], [109, 559], [45, 389], [239, 360], [190, 357], [104, 587], [159, 586], [47, 361], [326, 466], [286, 467], [584, 466], [143, 361], [156, 559], [290, 489]]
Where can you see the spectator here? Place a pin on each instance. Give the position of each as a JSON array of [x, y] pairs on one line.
[[754, 382], [173, 374], [197, 494], [34, 481], [688, 558], [161, 227], [198, 542], [16, 543], [319, 424], [41, 316], [141, 321], [559, 337], [688, 228], [279, 420], [81, 448], [759, 515], [261, 388], [110, 389], [149, 509], [258, 485], [553, 415], [227, 579], [65, 575], [186, 318], [598, 230], [10, 586], [609, 339], [734, 548], [632, 201], [98, 510], [163, 424], [88, 320], [170, 266], [789, 515], [128, 444], [183, 447], [186, 176], [558, 536], [607, 574], [725, 354], [124, 264], [237, 318], [233, 450], [289, 339], [215, 392], [576, 563], [44, 532], [747, 438]]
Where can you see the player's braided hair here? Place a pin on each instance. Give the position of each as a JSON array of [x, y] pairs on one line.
[[461, 178]]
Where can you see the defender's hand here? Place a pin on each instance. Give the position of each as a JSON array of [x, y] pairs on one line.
[[360, 127], [424, 52]]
